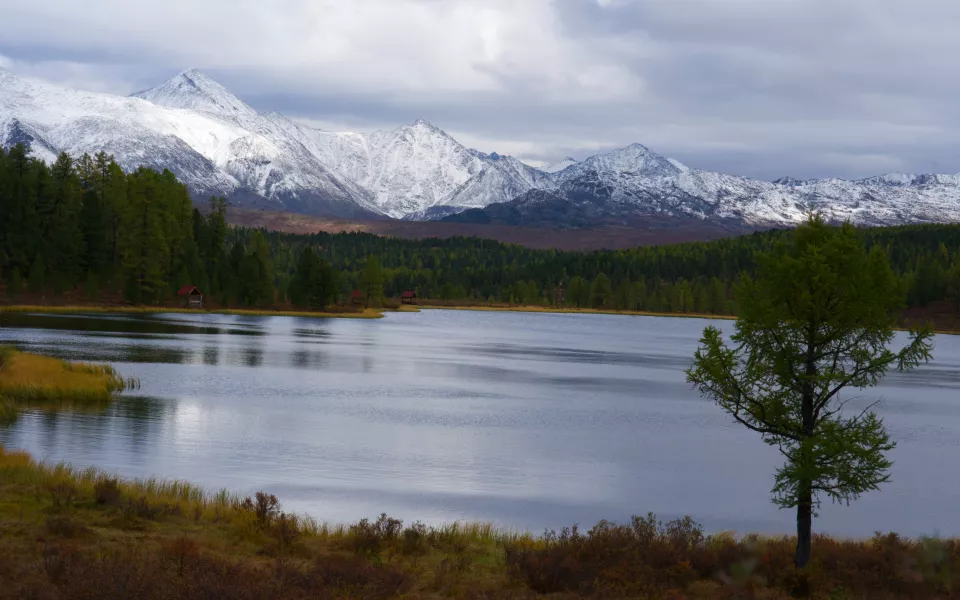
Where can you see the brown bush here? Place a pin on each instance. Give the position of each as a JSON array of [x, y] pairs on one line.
[[649, 558], [107, 492], [264, 506], [62, 493], [64, 526], [371, 539], [150, 510]]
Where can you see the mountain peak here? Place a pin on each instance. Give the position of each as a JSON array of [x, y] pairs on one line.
[[195, 90], [635, 159], [425, 124], [567, 161]]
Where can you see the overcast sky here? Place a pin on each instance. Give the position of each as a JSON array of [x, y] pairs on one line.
[[764, 88]]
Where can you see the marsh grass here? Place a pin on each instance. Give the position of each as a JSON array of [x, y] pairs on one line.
[[34, 381]]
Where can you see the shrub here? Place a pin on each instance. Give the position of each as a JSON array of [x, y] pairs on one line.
[[152, 511], [63, 526], [364, 580], [181, 552], [265, 508], [107, 491], [62, 493], [370, 539], [414, 541]]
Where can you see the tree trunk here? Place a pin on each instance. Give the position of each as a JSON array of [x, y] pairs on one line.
[[804, 527]]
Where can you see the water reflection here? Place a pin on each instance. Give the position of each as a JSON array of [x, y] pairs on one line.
[[211, 356]]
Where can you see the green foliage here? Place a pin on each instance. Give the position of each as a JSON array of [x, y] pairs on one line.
[[141, 236], [92, 287], [371, 282], [15, 286], [315, 283], [601, 293], [36, 280], [815, 321]]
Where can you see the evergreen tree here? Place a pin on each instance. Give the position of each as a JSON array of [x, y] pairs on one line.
[[16, 282], [371, 282], [816, 320], [36, 279], [600, 291], [92, 286]]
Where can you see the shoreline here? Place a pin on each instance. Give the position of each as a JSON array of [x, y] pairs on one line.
[[173, 536], [369, 313], [624, 313], [578, 311]]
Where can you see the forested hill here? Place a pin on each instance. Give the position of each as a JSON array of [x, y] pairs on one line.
[[84, 227]]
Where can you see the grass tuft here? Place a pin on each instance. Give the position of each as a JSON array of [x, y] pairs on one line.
[[31, 380]]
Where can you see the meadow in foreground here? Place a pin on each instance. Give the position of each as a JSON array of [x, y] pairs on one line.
[[69, 534]]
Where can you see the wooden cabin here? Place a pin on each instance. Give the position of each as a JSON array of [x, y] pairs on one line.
[[408, 297], [356, 297], [192, 297]]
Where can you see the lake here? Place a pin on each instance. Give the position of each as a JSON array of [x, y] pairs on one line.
[[526, 420]]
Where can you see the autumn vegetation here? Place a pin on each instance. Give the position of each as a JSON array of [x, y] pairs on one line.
[[41, 382], [71, 534]]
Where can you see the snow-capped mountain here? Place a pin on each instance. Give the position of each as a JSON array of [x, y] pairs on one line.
[[559, 166], [209, 138], [217, 144]]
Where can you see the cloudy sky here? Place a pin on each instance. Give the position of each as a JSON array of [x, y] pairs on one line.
[[755, 87]]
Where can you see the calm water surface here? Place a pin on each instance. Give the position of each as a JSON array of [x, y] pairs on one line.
[[527, 420]]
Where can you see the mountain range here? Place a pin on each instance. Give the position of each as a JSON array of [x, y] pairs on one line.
[[218, 145]]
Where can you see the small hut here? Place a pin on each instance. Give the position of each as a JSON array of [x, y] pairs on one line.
[[356, 297], [408, 297], [192, 297]]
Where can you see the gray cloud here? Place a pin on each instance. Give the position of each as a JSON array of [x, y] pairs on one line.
[[756, 87]]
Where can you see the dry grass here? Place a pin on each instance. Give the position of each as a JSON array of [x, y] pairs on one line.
[[44, 382], [85, 534]]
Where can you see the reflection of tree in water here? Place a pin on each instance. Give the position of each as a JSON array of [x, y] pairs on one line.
[[132, 324], [253, 356], [136, 416], [211, 355], [142, 353], [309, 359]]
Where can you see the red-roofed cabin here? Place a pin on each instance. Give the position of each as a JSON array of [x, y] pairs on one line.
[[192, 298], [408, 297], [356, 297]]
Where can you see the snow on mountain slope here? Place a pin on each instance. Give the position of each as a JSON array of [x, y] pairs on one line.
[[502, 179], [201, 132], [557, 167], [194, 90], [407, 170], [217, 144], [271, 158]]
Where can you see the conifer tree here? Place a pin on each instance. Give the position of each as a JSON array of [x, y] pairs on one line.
[[371, 282], [815, 322]]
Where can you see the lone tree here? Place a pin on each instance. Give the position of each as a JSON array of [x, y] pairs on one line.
[[817, 319]]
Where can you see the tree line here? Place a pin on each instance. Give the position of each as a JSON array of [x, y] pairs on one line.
[[83, 225]]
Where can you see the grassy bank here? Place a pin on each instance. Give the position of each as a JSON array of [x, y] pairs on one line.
[[34, 381], [122, 309], [70, 534]]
